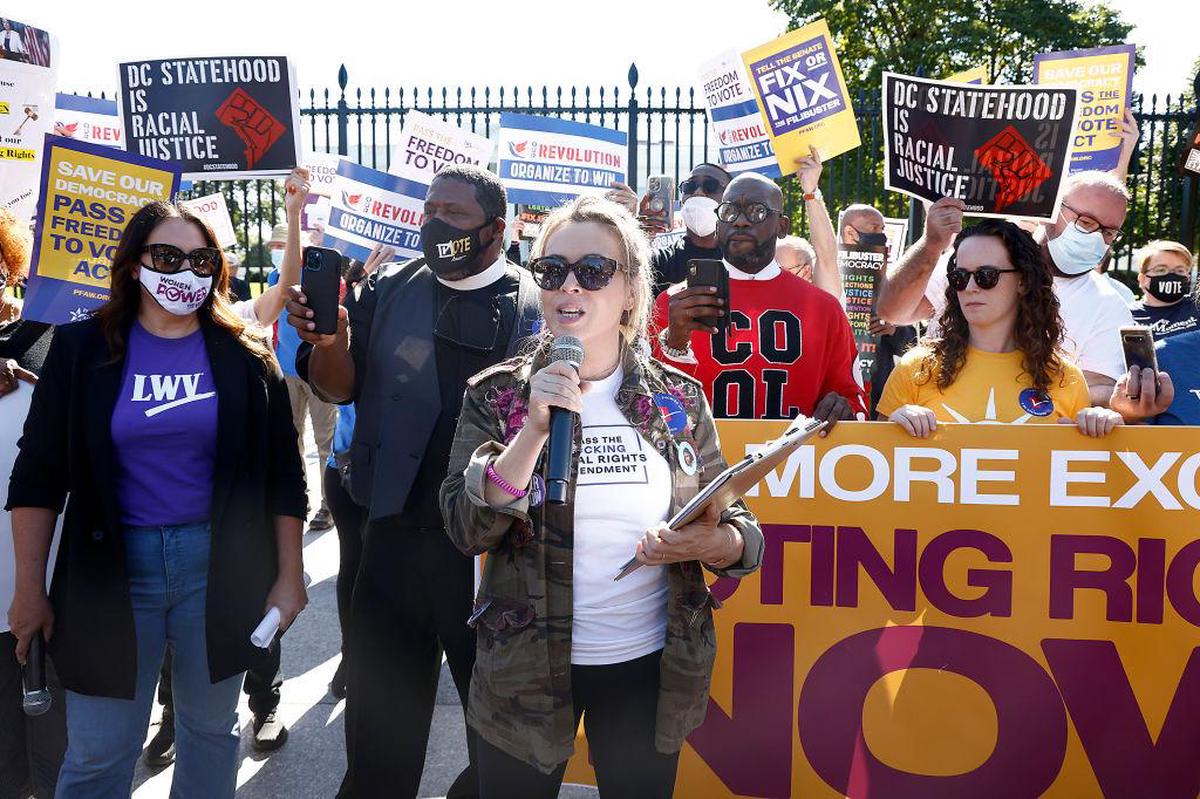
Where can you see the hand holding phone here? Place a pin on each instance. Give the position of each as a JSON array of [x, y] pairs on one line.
[[320, 280], [706, 272], [1137, 343]]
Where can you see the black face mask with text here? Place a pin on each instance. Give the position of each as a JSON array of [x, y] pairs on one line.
[[1169, 288], [449, 249]]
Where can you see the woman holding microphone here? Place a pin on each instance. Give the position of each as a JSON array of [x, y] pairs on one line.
[[557, 636], [166, 427]]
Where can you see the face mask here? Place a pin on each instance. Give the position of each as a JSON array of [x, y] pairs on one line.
[[181, 293], [449, 249], [277, 258], [1075, 252], [872, 239], [700, 215], [1169, 288]]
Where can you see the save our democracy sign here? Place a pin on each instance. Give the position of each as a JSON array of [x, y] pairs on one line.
[[1002, 150], [999, 611], [234, 117], [370, 207], [802, 95], [1104, 77], [88, 193], [734, 117], [427, 144], [547, 161]]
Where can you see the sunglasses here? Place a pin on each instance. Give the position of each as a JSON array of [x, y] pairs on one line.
[[986, 277], [728, 213], [593, 272], [705, 185], [167, 258]]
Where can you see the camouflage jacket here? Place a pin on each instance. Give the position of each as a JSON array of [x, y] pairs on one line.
[[520, 697]]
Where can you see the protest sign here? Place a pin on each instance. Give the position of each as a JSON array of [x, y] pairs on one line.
[[322, 171], [529, 219], [1104, 78], [975, 76], [896, 231], [28, 73], [429, 143], [1000, 611], [315, 213], [1002, 150], [802, 95], [234, 117], [734, 117], [370, 207], [88, 119], [88, 193], [547, 161], [861, 267], [213, 210]]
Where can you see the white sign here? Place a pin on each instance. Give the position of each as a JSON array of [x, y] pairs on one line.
[[88, 119], [28, 73], [427, 144], [213, 210], [734, 115], [322, 168]]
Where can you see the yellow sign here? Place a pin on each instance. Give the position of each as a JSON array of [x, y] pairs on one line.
[[976, 75], [1104, 77], [802, 95], [997, 611], [88, 194]]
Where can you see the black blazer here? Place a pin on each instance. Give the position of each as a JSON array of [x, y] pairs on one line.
[[67, 452]]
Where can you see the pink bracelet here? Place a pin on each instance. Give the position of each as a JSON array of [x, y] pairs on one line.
[[504, 485]]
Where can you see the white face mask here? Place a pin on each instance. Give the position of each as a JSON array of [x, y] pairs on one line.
[[181, 293], [1075, 252], [277, 258], [700, 215]]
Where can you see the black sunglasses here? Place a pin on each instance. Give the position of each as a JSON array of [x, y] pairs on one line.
[[705, 185], [728, 212], [593, 272], [986, 277], [167, 258]]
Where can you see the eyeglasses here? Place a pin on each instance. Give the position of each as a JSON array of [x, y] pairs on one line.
[[593, 272], [705, 185], [1161, 270], [986, 277], [1086, 223], [167, 258], [728, 213]]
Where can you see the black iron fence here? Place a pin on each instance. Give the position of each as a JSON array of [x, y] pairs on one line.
[[668, 133]]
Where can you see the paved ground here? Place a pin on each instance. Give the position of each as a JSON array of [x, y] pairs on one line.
[[311, 764]]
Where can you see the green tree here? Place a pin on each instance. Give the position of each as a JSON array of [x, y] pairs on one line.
[[941, 37]]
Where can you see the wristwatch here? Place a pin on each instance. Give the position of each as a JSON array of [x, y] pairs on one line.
[[815, 194], [670, 351]]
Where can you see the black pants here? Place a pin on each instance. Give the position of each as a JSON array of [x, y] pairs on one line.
[[349, 518], [618, 704], [412, 599], [261, 686], [31, 748]]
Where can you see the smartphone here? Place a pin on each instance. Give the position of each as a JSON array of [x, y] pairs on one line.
[[659, 199], [1137, 342], [709, 272], [320, 279]]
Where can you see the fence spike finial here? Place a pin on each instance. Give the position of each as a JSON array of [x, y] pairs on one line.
[[343, 77], [633, 76]]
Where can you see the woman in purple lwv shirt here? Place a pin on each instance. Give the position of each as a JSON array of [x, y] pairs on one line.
[[167, 424]]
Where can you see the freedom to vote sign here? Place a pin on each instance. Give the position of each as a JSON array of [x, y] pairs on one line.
[[88, 194], [998, 611], [548, 161], [1002, 150], [734, 117], [370, 207], [1104, 77], [219, 117]]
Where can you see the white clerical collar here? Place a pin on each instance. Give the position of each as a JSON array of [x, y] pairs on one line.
[[485, 278], [769, 271]]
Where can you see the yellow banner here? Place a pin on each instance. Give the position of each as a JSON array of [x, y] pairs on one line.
[[1104, 77], [998, 611], [976, 75], [802, 95]]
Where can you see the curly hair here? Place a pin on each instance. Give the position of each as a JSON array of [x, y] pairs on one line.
[[16, 246], [1038, 327]]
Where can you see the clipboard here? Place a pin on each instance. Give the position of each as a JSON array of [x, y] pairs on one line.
[[733, 483]]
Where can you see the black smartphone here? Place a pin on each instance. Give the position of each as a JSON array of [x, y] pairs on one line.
[[320, 279], [1137, 342], [710, 272]]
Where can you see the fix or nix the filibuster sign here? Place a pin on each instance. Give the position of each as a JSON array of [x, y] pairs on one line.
[[547, 161]]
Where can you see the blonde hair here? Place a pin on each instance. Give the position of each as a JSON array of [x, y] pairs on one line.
[[1143, 256], [637, 253], [16, 246]]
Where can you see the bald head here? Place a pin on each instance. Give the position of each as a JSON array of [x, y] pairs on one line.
[[753, 187]]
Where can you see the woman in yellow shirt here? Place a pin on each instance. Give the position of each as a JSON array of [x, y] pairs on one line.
[[999, 358]]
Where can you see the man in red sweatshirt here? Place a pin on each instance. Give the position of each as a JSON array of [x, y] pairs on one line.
[[786, 348]]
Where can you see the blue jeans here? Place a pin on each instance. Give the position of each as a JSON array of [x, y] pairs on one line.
[[168, 581]]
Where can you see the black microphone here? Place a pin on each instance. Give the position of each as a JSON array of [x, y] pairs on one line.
[[36, 699], [562, 427]]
